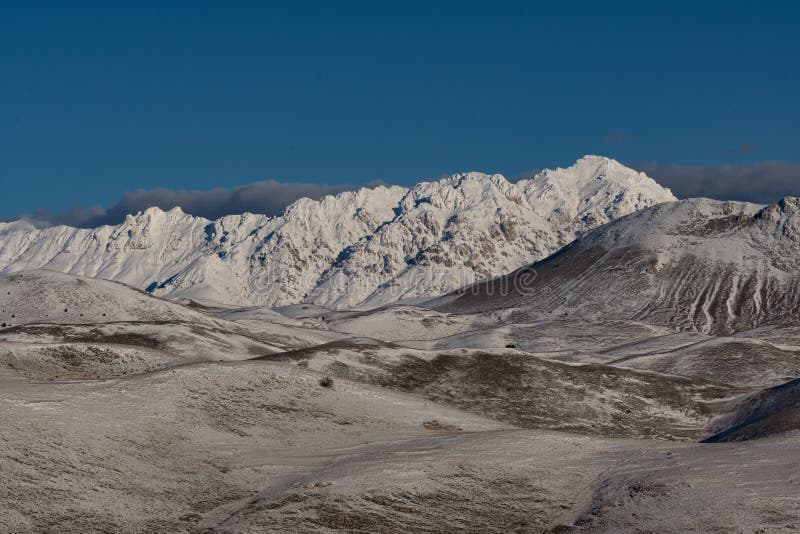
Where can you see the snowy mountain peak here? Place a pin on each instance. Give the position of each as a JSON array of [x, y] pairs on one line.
[[592, 192], [20, 225], [365, 247], [589, 169]]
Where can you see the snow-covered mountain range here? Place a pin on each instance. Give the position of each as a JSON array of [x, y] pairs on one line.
[[366, 247]]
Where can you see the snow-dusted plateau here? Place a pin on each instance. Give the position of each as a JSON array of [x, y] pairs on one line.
[[577, 351]]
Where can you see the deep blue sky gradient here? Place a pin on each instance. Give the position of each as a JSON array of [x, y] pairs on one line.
[[100, 98]]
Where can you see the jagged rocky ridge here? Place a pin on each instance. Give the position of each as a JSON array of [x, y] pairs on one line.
[[366, 247]]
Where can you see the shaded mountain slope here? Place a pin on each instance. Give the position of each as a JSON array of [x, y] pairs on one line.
[[698, 265]]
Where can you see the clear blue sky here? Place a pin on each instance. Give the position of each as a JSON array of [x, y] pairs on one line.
[[101, 98]]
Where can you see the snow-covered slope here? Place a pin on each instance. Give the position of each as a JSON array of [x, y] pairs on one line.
[[703, 265], [53, 297], [367, 247]]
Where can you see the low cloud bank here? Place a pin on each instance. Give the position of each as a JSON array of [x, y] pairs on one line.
[[269, 197], [762, 183]]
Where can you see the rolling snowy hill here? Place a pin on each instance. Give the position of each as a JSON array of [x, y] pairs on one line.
[[367, 247]]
